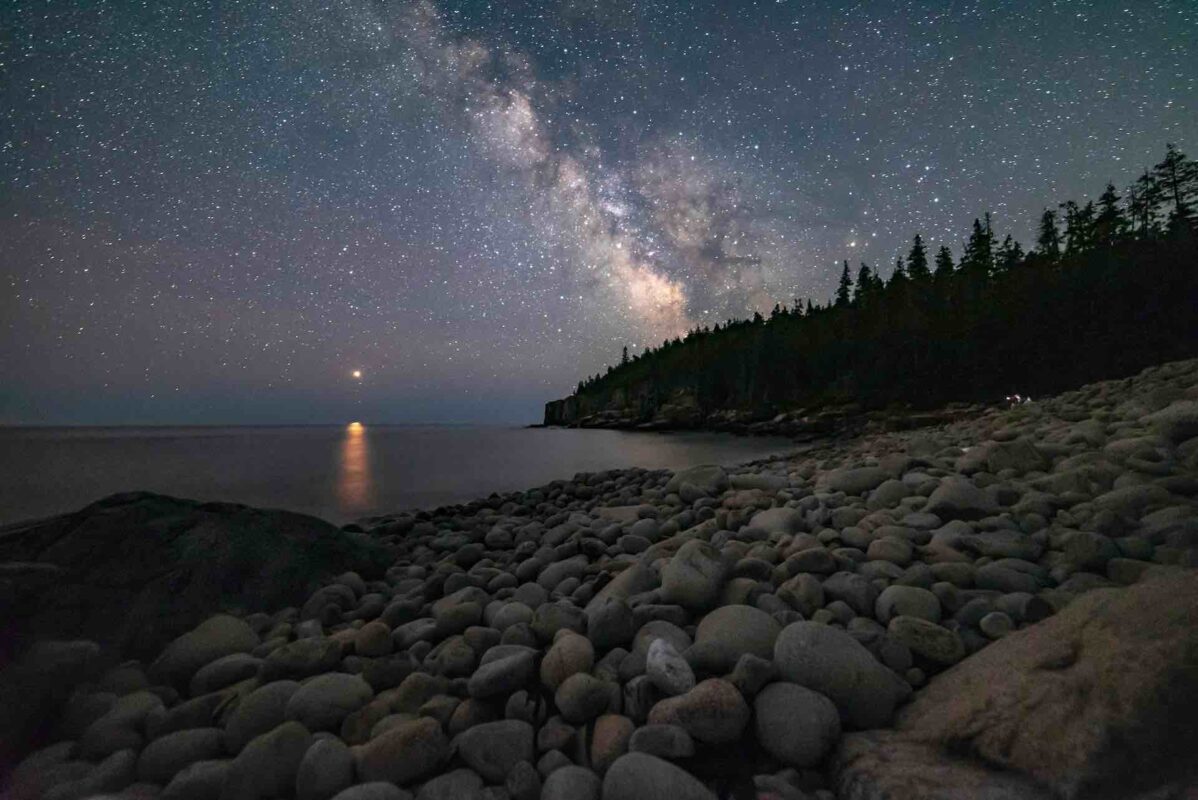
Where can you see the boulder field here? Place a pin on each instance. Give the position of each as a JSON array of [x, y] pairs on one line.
[[1003, 607]]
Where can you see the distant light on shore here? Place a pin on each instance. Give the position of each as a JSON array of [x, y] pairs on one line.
[[356, 374]]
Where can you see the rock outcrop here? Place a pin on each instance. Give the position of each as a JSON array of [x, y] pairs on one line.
[[1100, 701], [132, 571]]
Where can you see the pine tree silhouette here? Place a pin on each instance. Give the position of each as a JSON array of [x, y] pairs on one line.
[[944, 262], [917, 261], [1048, 238], [1177, 179], [844, 289]]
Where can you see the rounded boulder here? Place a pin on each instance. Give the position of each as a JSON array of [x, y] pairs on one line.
[[731, 631], [323, 703], [493, 748], [639, 776], [713, 712], [829, 661], [796, 725]]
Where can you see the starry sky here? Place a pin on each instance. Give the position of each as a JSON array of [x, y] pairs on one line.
[[215, 212]]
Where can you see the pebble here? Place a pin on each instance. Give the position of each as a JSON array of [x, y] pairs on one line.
[[323, 703], [493, 748], [258, 712], [582, 697], [373, 640], [503, 675], [326, 769], [523, 782], [836, 665], [732, 630], [667, 670], [267, 766], [796, 725], [223, 672], [202, 780], [458, 784], [639, 776], [609, 740], [215, 637], [909, 601], [572, 783], [373, 790], [996, 625], [166, 756], [404, 753], [663, 741], [694, 577], [934, 642], [713, 712]]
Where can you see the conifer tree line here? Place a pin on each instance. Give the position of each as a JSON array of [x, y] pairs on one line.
[[1110, 286]]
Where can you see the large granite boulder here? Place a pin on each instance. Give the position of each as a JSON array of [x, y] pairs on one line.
[[883, 765], [1099, 701], [139, 569]]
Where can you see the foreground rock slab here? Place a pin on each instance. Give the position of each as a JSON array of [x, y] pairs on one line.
[[1099, 701]]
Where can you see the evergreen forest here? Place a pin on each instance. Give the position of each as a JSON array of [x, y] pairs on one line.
[[1109, 286]]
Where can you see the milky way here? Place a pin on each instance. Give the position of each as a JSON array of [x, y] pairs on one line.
[[218, 212]]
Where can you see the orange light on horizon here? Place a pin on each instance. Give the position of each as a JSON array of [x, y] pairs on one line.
[[356, 374], [355, 482]]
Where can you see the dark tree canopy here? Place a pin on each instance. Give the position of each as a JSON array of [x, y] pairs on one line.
[[1114, 291], [1048, 239], [917, 261]]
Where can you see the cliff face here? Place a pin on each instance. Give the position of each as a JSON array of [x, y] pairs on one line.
[[636, 406], [642, 409]]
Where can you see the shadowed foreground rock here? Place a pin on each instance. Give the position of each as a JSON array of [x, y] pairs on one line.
[[132, 571], [1100, 701]]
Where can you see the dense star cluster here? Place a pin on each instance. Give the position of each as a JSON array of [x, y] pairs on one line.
[[450, 210]]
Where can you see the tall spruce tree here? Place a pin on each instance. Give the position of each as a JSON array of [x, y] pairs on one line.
[[978, 258], [1048, 236], [1177, 177], [864, 291], [944, 262], [1143, 198], [1008, 255], [1110, 226], [1079, 227], [917, 261], [844, 289]]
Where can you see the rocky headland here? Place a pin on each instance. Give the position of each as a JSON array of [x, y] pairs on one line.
[[642, 411], [1000, 607]]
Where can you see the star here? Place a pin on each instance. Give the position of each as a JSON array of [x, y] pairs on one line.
[[200, 217]]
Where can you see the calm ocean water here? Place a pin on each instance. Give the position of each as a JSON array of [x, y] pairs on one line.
[[335, 472]]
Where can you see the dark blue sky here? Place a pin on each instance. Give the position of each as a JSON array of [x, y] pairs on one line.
[[216, 212]]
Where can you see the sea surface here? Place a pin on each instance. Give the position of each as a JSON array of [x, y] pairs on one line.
[[339, 473]]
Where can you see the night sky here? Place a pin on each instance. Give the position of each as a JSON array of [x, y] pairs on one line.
[[217, 212]]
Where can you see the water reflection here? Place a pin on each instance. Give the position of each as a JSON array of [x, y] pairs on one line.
[[355, 487]]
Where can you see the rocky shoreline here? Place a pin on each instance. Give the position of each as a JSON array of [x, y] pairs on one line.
[[683, 413], [1003, 606]]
